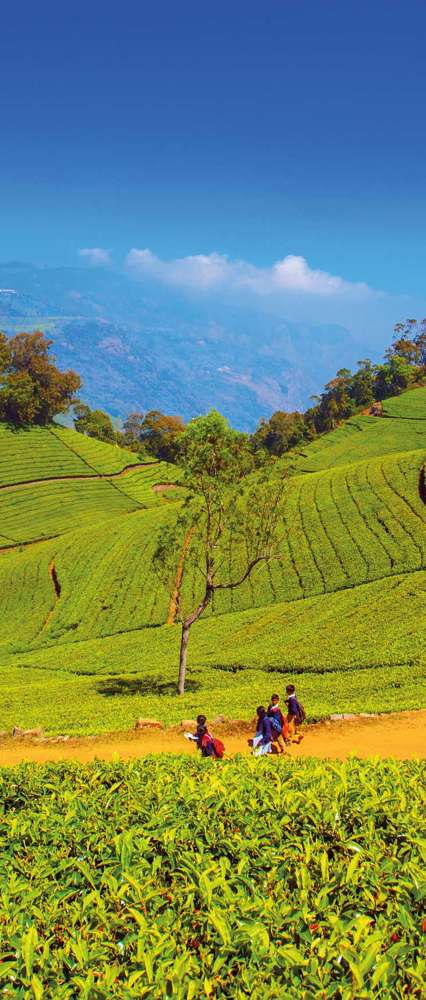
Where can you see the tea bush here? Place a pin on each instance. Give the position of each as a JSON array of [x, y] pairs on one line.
[[343, 527], [185, 878], [368, 437], [85, 704], [52, 508]]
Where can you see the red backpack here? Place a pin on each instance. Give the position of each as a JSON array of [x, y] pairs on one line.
[[218, 746]]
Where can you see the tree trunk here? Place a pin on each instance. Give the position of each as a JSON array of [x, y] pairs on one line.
[[182, 658], [186, 625]]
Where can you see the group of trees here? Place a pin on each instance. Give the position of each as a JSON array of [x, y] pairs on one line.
[[155, 432], [404, 365], [349, 392], [32, 389], [150, 434]]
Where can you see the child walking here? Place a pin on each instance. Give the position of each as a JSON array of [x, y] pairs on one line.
[[262, 741], [280, 731], [295, 714], [206, 743]]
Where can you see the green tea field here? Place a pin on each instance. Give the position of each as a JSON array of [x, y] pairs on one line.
[[182, 878], [81, 601]]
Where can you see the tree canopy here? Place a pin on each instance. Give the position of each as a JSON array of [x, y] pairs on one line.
[[32, 389], [157, 432], [94, 423]]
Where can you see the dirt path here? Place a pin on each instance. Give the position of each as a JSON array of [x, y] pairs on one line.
[[401, 736]]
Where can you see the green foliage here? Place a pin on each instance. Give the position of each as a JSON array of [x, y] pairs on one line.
[[314, 610], [280, 433], [393, 377], [94, 423], [32, 389], [213, 456], [121, 591], [404, 365], [341, 528], [35, 453], [154, 485], [155, 432], [98, 456], [220, 510], [48, 509], [38, 510], [357, 650], [170, 877]]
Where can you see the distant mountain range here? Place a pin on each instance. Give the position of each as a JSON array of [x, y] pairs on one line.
[[139, 346]]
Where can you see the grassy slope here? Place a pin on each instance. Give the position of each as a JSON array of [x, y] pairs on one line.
[[411, 405], [358, 523], [35, 454], [362, 522], [349, 651], [42, 452], [99, 456], [364, 437]]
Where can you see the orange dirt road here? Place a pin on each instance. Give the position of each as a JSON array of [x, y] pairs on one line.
[[401, 736]]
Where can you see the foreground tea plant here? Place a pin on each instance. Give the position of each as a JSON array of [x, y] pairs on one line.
[[185, 879]]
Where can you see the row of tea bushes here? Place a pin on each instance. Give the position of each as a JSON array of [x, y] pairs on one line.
[[180, 878]]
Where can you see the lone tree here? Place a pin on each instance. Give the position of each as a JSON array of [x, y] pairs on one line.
[[223, 512]]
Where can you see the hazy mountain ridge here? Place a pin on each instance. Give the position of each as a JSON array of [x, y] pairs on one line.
[[141, 346]]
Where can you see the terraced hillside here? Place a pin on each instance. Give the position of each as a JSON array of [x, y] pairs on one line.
[[46, 453], [78, 590], [53, 480], [402, 428], [359, 523]]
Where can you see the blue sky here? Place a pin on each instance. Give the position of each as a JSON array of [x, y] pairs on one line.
[[251, 130]]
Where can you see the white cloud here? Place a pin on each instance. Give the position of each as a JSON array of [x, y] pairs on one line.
[[96, 256], [214, 272]]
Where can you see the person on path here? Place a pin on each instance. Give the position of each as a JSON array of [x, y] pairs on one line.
[[206, 743], [280, 733], [262, 741], [295, 714]]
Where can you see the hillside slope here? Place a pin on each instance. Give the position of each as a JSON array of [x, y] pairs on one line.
[[402, 428], [358, 523], [347, 596]]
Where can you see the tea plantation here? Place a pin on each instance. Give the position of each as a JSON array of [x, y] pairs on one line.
[[177, 877], [363, 436], [182, 878], [78, 527]]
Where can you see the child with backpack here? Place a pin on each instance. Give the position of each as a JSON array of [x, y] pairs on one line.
[[262, 741], [296, 714], [209, 745], [280, 733]]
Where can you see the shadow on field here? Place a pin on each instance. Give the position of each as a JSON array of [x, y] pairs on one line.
[[112, 686]]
